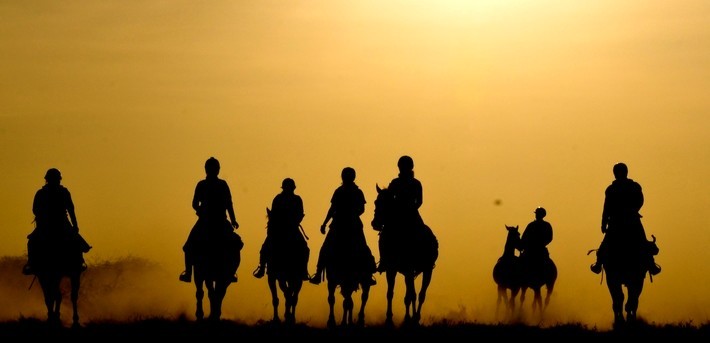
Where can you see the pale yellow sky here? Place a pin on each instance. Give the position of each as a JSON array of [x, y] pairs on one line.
[[529, 102]]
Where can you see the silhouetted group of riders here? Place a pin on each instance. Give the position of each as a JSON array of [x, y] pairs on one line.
[[56, 223]]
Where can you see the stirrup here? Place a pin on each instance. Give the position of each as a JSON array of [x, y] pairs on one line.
[[186, 277], [596, 268], [654, 269], [316, 278], [259, 272]]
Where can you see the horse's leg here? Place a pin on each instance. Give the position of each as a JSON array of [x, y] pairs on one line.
[[523, 290], [215, 296], [391, 276], [502, 297], [348, 306], [331, 304], [274, 297], [75, 284], [632, 303], [426, 280], [52, 297], [288, 298], [537, 301], [617, 300], [410, 298], [514, 291], [220, 291], [363, 301], [199, 295], [549, 288], [295, 291]]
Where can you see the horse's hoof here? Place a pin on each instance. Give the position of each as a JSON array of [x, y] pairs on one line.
[[331, 324]]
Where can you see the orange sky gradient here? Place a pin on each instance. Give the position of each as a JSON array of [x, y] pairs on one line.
[[526, 102]]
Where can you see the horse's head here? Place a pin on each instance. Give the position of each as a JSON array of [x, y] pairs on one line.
[[382, 207], [512, 240]]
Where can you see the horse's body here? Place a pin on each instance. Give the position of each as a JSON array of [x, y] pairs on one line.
[[412, 250], [535, 275], [55, 259], [626, 265], [343, 269], [214, 268], [284, 271], [507, 273]]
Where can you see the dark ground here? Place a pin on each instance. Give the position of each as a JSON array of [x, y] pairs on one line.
[[180, 330]]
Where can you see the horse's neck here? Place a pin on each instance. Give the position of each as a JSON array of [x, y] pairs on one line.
[[510, 244]]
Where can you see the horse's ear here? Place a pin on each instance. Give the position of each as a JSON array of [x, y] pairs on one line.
[[377, 186]]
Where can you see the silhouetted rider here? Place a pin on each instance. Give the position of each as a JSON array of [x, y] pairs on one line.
[[620, 216], [346, 206], [212, 202], [535, 238], [407, 198], [285, 226], [55, 220]]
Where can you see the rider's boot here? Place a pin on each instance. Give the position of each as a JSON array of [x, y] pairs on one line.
[[596, 267], [317, 277], [186, 276], [260, 271]]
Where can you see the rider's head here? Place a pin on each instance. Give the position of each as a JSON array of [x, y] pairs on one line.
[[288, 184], [348, 175], [53, 176], [620, 171], [212, 166], [540, 213], [405, 163]]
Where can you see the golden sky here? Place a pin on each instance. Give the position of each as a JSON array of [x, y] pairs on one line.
[[526, 102]]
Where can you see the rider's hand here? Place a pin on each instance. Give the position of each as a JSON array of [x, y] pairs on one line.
[[604, 229], [235, 225], [322, 229]]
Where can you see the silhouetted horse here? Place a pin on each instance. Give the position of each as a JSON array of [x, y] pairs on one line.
[[507, 272], [55, 259], [214, 268], [535, 275], [626, 264], [346, 270], [285, 267], [412, 251]]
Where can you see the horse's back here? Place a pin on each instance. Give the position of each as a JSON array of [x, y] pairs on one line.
[[539, 273], [220, 258]]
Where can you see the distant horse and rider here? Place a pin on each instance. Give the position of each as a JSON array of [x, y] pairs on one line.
[[285, 253], [533, 268], [625, 253], [55, 248], [407, 245], [345, 258]]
